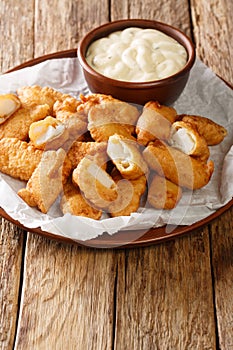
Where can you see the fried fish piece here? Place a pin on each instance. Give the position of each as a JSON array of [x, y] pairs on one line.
[[163, 194], [66, 112], [45, 184], [211, 131], [9, 104], [48, 133], [129, 195], [178, 167], [37, 95], [112, 117], [126, 156], [154, 122], [19, 123], [18, 158], [97, 151], [185, 137], [74, 202], [95, 183]]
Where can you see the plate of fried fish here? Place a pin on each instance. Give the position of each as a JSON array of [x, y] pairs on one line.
[[98, 158]]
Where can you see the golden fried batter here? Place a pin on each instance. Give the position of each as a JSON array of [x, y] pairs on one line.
[[126, 156], [36, 95], [112, 117], [9, 104], [45, 183], [154, 122], [178, 167], [129, 195], [19, 123], [163, 194], [66, 112], [211, 131], [48, 133], [96, 150], [185, 137], [75, 203], [18, 158], [95, 183]]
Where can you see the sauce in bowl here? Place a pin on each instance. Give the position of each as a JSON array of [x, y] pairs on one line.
[[136, 55]]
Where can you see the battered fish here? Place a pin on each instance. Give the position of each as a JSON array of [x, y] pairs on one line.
[[9, 104], [45, 184], [19, 123], [75, 203], [95, 183], [185, 137], [96, 150], [211, 131], [112, 117], [178, 167], [66, 112], [48, 133], [18, 158], [154, 122], [163, 194], [126, 156], [129, 195]]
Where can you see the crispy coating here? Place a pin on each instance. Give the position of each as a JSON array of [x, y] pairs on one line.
[[95, 183], [154, 122], [178, 167], [126, 156], [66, 112], [19, 123], [187, 139], [75, 203], [45, 183], [129, 195], [163, 194], [38, 95], [9, 104], [112, 117], [96, 150], [18, 158], [211, 131], [48, 133]]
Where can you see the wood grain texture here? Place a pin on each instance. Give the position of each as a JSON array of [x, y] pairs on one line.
[[17, 33], [11, 243], [164, 296], [160, 297], [222, 261], [213, 30], [61, 26], [67, 300]]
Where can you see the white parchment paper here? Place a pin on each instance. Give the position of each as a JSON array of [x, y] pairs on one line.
[[205, 94]]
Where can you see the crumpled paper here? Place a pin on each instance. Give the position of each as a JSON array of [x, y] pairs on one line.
[[205, 94]]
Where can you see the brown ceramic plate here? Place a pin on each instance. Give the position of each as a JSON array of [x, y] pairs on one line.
[[122, 238]]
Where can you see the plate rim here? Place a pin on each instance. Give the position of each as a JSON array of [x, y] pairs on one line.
[[150, 237]]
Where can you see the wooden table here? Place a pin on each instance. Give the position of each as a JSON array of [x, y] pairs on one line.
[[174, 295]]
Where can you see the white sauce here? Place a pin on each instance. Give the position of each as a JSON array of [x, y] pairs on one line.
[[137, 55]]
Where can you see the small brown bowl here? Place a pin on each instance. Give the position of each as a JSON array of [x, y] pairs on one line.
[[166, 90]]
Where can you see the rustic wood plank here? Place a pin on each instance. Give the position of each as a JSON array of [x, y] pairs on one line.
[[164, 296], [213, 30], [175, 13], [17, 37], [222, 260], [62, 26], [11, 244], [68, 295], [213, 41], [16, 46]]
